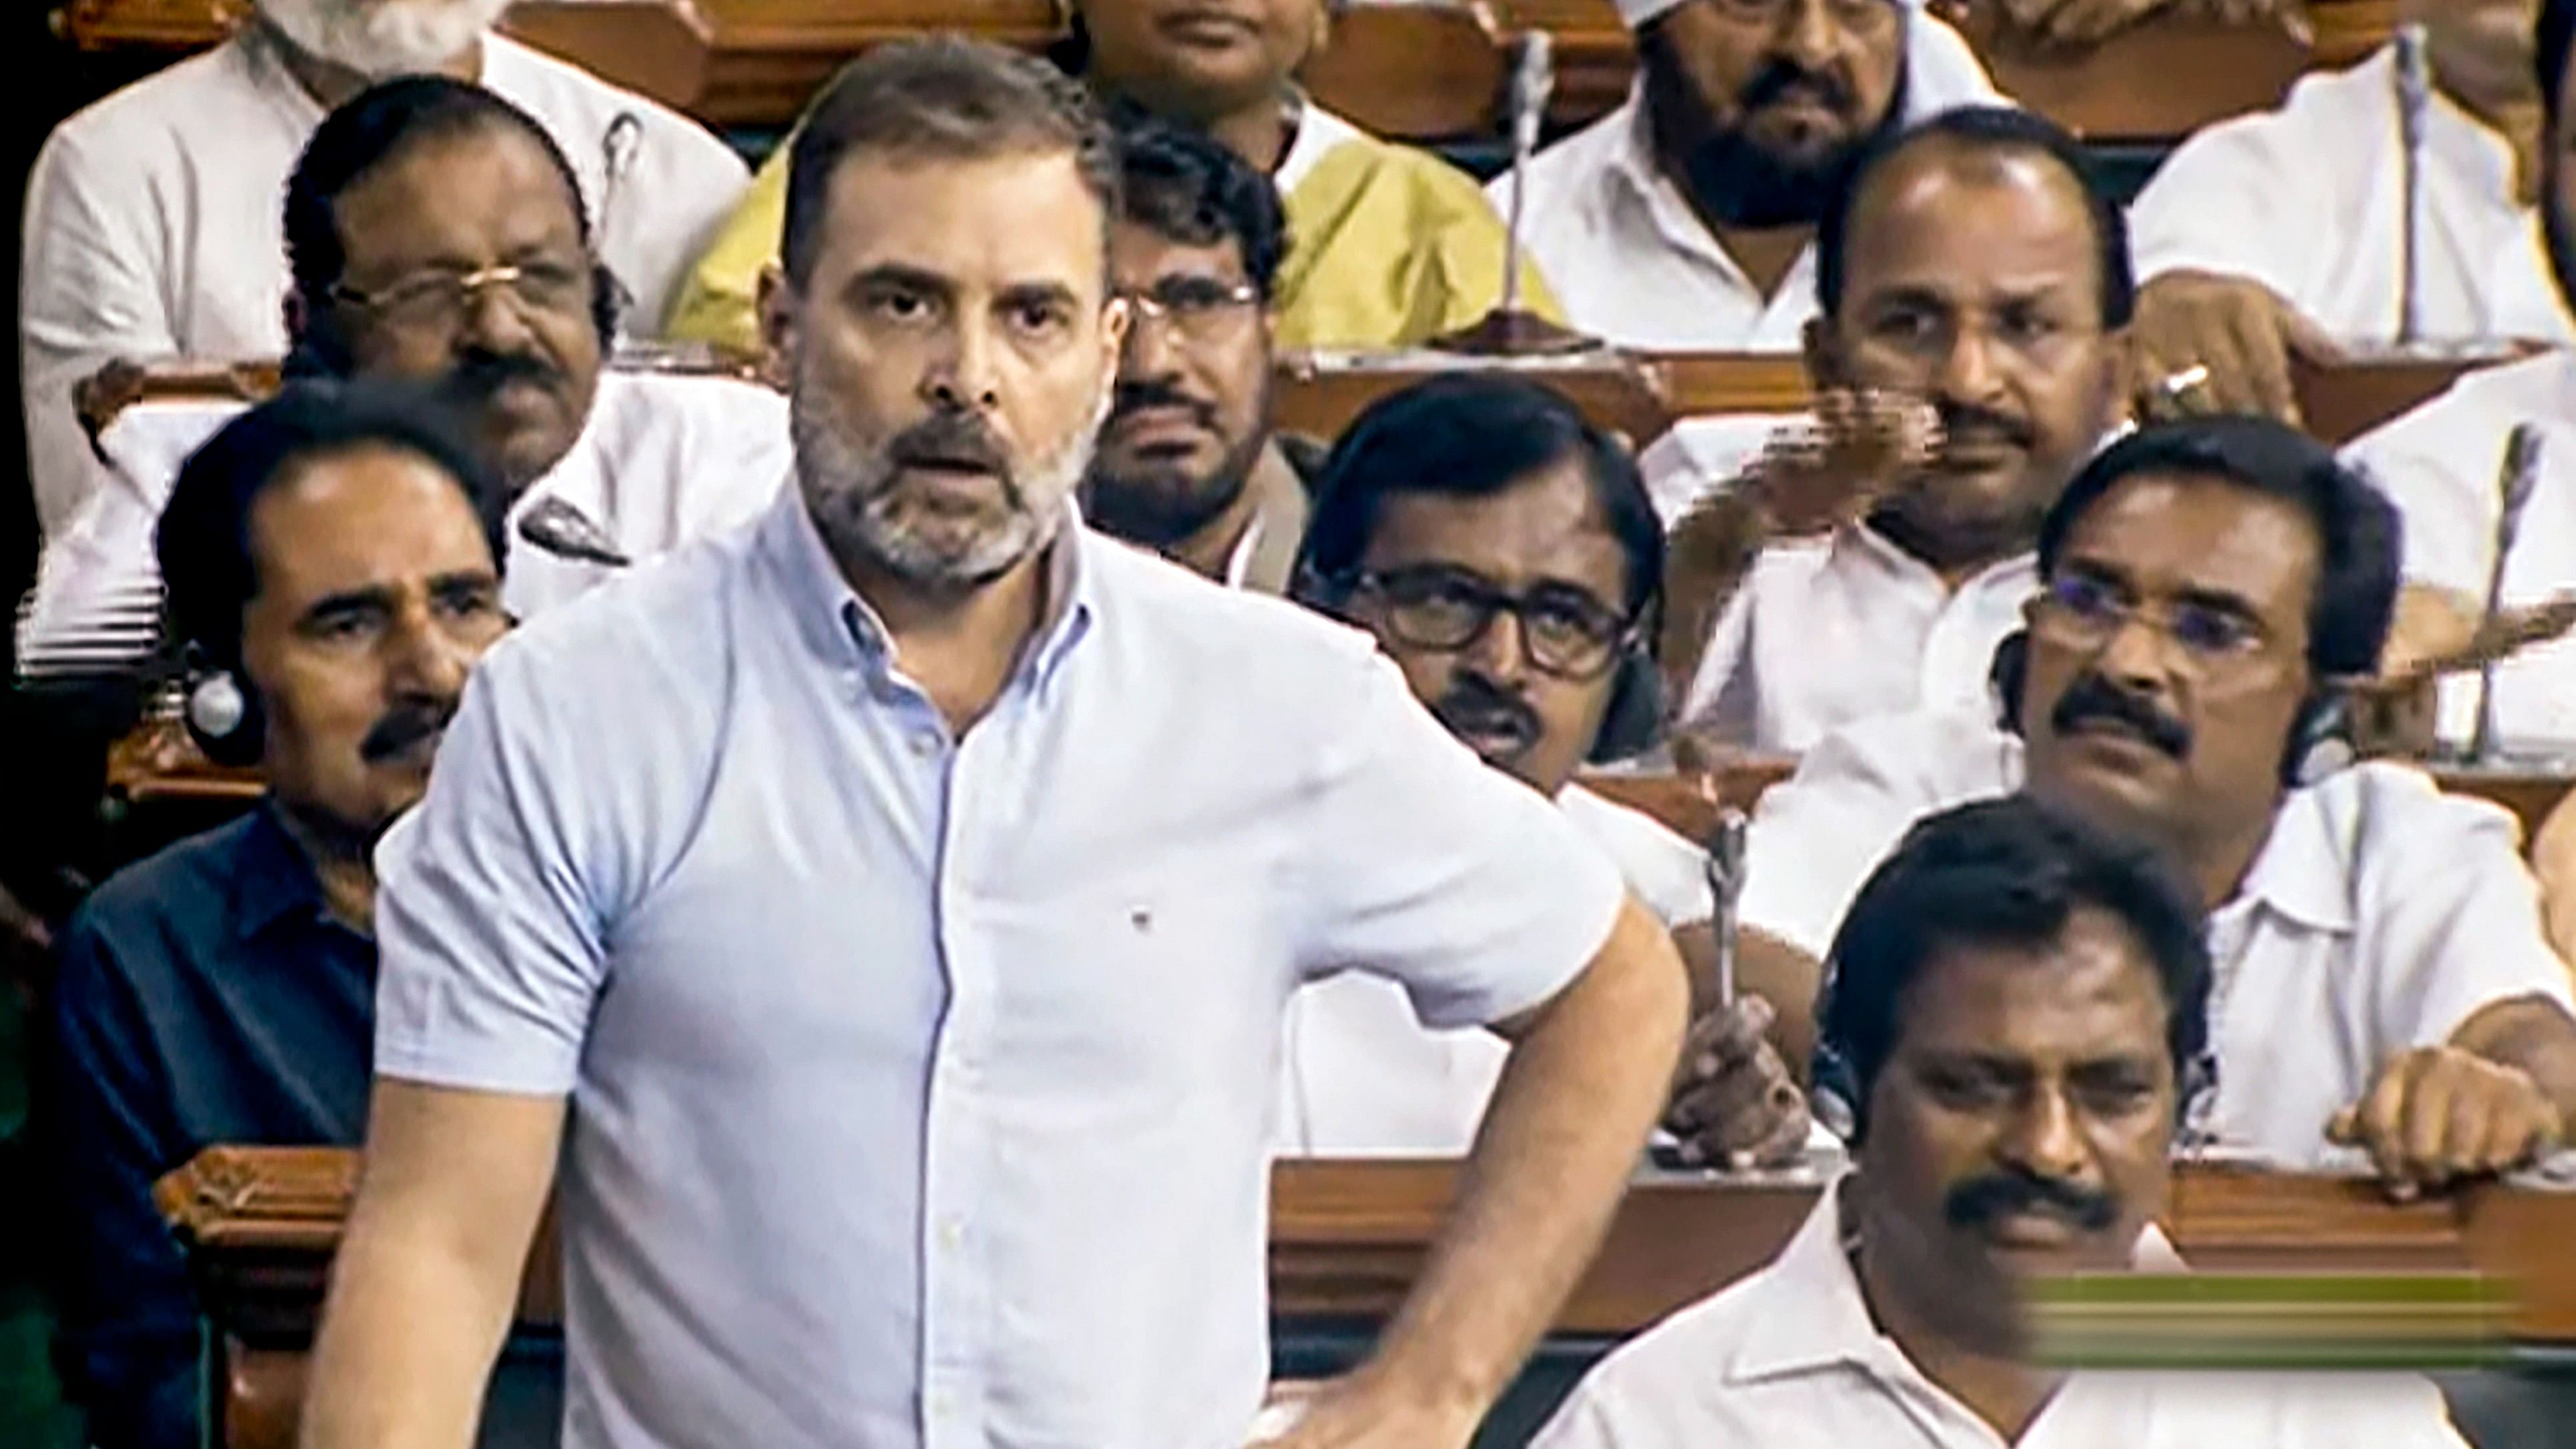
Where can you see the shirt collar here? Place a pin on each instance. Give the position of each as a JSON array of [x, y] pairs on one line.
[[1860, 544], [1632, 171], [837, 625], [272, 878], [2303, 870]]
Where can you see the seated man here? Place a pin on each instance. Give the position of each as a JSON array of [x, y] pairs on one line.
[[2278, 236], [1388, 244], [435, 232], [2443, 465], [152, 220], [2017, 1005], [1186, 464], [2210, 587], [330, 564], [1970, 264], [1682, 219], [1503, 553]]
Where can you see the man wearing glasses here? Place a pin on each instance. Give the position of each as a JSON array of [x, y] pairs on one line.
[[1187, 465], [435, 234], [1505, 555], [2209, 589]]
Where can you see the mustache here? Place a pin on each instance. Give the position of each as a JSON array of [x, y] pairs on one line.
[[481, 374], [2093, 697], [1967, 420], [1132, 397], [951, 439], [1472, 706], [1776, 80], [1980, 1200], [403, 727]]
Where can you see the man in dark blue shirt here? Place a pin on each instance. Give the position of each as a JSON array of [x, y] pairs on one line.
[[329, 562]]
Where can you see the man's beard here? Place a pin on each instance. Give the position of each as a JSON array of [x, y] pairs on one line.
[[1737, 182], [1161, 504], [850, 490], [380, 39]]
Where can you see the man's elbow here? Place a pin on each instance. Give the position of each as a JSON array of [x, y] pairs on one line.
[[1635, 990]]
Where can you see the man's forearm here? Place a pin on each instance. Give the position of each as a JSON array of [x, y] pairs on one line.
[[1582, 1088], [406, 1346]]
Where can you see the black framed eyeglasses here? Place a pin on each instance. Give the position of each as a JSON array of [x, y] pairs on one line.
[[1198, 309], [2087, 610], [444, 295], [1565, 631]]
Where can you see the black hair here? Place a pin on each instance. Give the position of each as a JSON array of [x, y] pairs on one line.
[[2008, 873], [1471, 435], [2359, 534], [371, 129], [2550, 41], [1982, 129], [940, 96], [208, 571], [1185, 185]]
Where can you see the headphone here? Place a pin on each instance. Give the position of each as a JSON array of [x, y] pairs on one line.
[[223, 713], [2320, 740], [322, 350]]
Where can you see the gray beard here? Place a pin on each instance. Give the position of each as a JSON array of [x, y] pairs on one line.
[[386, 39]]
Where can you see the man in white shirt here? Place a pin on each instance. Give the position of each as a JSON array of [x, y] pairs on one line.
[[1187, 464], [1681, 221], [1972, 265], [152, 221], [1503, 553], [2209, 588], [882, 915], [2017, 1007], [2444, 465], [2284, 235], [435, 233]]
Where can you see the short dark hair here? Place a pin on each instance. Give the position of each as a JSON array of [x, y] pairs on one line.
[[208, 571], [2359, 534], [941, 96], [1987, 130], [1471, 435], [2551, 39], [2005, 872], [1189, 187], [370, 129]]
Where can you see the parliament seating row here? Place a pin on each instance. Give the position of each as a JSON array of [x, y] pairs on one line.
[[1420, 71], [1348, 1238]]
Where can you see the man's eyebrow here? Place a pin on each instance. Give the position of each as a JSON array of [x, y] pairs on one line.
[[1020, 294], [900, 274], [350, 601]]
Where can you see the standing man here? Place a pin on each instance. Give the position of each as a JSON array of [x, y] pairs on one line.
[[330, 559], [1187, 464], [910, 976], [1683, 219], [2018, 1004], [1971, 264]]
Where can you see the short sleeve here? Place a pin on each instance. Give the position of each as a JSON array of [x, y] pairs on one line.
[[2454, 916], [1421, 863], [491, 935], [2428, 464], [2226, 204]]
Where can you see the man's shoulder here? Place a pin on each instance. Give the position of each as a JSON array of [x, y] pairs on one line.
[[1944, 755], [651, 417], [1569, 173], [658, 624], [1668, 1386], [1186, 623], [580, 106], [170, 105], [129, 922], [2483, 404], [2390, 810]]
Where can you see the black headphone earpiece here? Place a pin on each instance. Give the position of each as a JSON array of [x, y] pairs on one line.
[[223, 716], [2005, 678], [1633, 722], [609, 304]]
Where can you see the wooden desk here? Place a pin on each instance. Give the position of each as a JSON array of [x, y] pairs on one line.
[[1347, 1239]]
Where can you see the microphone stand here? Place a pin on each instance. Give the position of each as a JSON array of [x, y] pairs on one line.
[[2514, 485], [2414, 104], [1509, 330]]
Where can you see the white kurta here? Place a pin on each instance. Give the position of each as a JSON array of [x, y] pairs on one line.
[[1634, 265], [1360, 1076], [2310, 201], [1792, 1357], [2439, 464], [154, 222], [660, 460], [1827, 631], [2380, 914]]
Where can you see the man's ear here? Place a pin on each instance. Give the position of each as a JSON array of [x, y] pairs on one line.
[[776, 303], [2120, 375], [297, 315], [1823, 354]]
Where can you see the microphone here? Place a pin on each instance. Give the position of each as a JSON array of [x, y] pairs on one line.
[[2414, 104], [619, 145], [1726, 886], [567, 532], [1533, 81], [2514, 485]]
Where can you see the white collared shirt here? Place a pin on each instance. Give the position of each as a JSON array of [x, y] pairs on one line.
[[1826, 631], [660, 460], [2439, 464], [2310, 201], [921, 1083], [1791, 1358], [1634, 265], [1361, 1076], [154, 222], [2379, 915]]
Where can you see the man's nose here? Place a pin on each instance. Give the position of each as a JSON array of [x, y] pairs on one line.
[[1808, 34], [1499, 652], [962, 371], [2046, 1139], [1968, 373], [494, 321], [426, 659]]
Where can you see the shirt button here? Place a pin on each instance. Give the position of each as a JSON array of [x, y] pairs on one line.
[[925, 744]]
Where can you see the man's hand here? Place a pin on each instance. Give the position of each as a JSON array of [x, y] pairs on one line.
[[2076, 24], [1357, 1411], [2439, 1114], [2204, 343], [1861, 446], [1735, 1103]]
